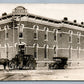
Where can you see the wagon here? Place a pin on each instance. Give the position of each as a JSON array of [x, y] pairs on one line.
[[58, 63]]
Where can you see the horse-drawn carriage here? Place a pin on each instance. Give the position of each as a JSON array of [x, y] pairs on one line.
[[20, 61]]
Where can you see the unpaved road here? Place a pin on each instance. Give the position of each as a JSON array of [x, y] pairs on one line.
[[67, 74]]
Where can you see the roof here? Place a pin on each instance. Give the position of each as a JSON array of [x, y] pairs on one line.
[[19, 7], [25, 13]]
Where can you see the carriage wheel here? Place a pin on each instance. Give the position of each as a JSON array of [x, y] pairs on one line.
[[55, 66], [65, 66], [31, 66]]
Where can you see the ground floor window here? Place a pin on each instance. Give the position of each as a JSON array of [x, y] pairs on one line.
[[46, 51], [36, 50]]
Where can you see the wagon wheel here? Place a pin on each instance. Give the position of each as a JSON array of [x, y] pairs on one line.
[[30, 66], [56, 66], [21, 66], [34, 66], [12, 65], [50, 66], [65, 66]]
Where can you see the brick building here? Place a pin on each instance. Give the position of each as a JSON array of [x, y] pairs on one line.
[[43, 37]]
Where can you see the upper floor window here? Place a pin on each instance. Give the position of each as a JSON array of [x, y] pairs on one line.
[[70, 36], [36, 31], [6, 31], [21, 26], [78, 38], [70, 51], [46, 33], [55, 34]]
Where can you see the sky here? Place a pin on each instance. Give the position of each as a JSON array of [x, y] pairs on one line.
[[55, 11]]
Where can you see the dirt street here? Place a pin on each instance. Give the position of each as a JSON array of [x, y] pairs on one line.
[[67, 74]]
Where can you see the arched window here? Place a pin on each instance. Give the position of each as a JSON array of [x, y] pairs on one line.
[[54, 49], [70, 36], [55, 34], [46, 33], [70, 50], [36, 31], [21, 26], [6, 31], [45, 51], [6, 49], [36, 50], [78, 38]]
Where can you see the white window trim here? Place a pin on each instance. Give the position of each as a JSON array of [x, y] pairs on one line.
[[8, 27], [15, 44]]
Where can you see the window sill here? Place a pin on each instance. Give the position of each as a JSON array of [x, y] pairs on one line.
[[21, 38], [45, 58], [46, 40], [36, 39]]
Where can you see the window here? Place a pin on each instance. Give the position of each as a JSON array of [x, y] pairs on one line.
[[35, 32], [55, 34], [46, 33], [70, 50], [21, 26], [7, 46], [78, 38], [54, 49], [35, 50], [21, 49], [70, 36], [60, 34], [46, 51], [20, 35], [6, 31]]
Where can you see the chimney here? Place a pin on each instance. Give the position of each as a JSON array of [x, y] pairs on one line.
[[82, 23], [3, 14], [65, 18], [75, 21]]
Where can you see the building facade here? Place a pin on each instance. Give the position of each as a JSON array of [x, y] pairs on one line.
[[44, 38]]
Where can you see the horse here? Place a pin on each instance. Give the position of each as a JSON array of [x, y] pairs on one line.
[[4, 62]]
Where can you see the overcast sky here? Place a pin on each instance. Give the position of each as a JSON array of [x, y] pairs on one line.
[[56, 11]]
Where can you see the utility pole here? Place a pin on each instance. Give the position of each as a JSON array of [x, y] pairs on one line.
[[19, 30]]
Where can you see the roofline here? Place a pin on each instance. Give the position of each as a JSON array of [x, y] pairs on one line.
[[42, 17]]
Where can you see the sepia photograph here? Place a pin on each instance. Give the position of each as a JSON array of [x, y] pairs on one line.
[[41, 42]]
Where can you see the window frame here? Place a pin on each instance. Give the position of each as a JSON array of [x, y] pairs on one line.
[[46, 33]]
